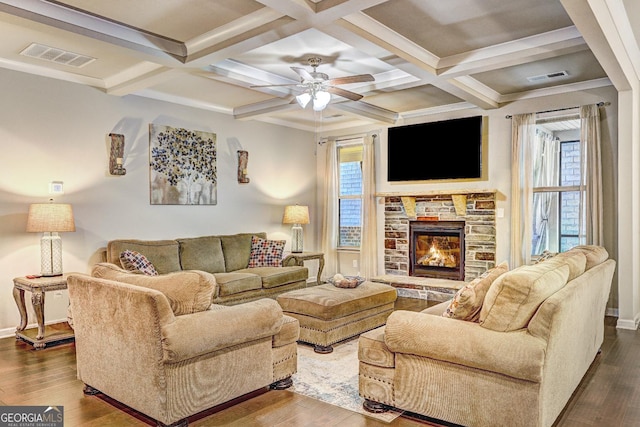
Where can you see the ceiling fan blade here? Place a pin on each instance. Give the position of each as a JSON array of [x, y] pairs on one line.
[[284, 85], [302, 73], [344, 93], [351, 79]]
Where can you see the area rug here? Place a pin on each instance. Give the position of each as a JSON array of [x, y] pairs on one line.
[[333, 378]]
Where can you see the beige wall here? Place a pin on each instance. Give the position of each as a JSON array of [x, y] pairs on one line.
[[56, 131], [499, 167]]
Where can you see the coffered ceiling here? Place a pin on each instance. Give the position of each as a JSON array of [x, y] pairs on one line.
[[427, 56]]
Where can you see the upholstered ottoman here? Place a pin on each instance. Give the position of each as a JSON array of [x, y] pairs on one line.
[[328, 314]]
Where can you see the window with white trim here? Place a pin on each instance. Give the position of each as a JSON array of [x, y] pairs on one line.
[[557, 186], [350, 195]]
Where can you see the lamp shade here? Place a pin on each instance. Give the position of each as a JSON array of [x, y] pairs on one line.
[[321, 100], [296, 214], [50, 217]]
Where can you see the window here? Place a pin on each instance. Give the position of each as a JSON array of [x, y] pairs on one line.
[[557, 187], [350, 196]]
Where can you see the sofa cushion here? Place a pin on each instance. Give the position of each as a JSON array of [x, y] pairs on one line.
[[187, 291], [202, 253], [235, 282], [575, 260], [595, 254], [514, 297], [266, 253], [272, 277], [237, 250], [467, 302], [135, 262], [163, 254]]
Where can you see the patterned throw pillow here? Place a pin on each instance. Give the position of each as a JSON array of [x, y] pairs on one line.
[[545, 255], [136, 262], [467, 302], [266, 253]]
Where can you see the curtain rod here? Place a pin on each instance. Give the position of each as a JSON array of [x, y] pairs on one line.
[[599, 104]]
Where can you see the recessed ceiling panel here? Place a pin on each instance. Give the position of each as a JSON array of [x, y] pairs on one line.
[[210, 91], [416, 98], [338, 58], [580, 66], [180, 20], [21, 33], [454, 26]]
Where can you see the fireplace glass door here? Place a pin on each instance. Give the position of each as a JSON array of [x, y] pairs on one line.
[[437, 249]]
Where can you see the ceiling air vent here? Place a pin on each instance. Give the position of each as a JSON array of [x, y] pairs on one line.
[[549, 76], [58, 56]]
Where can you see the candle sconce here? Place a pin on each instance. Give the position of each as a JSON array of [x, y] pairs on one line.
[[116, 155], [243, 160]]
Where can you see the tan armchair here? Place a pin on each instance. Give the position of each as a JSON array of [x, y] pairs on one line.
[[132, 347]]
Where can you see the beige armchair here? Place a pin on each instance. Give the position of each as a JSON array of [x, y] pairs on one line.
[[132, 347]]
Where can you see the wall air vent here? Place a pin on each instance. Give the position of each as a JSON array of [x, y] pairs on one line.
[[58, 56], [546, 77]]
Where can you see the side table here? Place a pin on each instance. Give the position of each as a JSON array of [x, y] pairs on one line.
[[298, 258], [38, 287]]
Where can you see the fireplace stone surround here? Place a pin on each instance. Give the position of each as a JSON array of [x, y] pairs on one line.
[[477, 208]]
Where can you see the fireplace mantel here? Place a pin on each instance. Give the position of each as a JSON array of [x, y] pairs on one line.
[[436, 192]]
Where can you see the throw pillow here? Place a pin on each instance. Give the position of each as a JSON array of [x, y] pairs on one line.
[[266, 253], [514, 297], [137, 263], [467, 302], [545, 255]]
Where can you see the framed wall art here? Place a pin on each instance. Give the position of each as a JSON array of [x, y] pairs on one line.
[[182, 166]]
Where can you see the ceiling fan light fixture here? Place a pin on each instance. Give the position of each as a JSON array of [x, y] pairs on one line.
[[321, 100], [303, 99]]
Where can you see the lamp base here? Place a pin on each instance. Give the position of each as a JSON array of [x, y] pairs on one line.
[[296, 238], [51, 255]]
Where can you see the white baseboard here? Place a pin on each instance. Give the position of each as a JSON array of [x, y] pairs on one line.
[[627, 324], [613, 312]]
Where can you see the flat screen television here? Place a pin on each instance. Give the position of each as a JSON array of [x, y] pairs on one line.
[[449, 149]]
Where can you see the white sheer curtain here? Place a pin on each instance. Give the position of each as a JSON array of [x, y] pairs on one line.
[[546, 158], [330, 213], [369, 237], [523, 132], [591, 219]]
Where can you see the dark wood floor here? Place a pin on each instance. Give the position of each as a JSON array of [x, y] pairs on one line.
[[609, 395]]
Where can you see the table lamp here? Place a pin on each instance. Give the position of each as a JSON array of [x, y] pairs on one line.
[[50, 218], [296, 215]]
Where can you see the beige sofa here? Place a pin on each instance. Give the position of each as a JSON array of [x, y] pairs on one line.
[[539, 329], [226, 257], [158, 345]]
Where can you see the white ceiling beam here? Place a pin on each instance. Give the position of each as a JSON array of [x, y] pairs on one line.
[[521, 51], [137, 78], [605, 28], [51, 73], [367, 110], [556, 90], [252, 111], [181, 100], [232, 29], [65, 18]]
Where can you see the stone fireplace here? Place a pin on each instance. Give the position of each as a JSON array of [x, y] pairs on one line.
[[463, 221]]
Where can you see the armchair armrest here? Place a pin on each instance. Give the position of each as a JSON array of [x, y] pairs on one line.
[[207, 331], [517, 354]]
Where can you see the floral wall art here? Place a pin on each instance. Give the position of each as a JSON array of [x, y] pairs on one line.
[[182, 166]]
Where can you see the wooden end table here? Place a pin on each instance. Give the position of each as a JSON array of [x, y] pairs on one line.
[[42, 335], [298, 258]]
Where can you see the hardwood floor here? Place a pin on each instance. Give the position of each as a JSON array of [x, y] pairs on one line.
[[609, 395]]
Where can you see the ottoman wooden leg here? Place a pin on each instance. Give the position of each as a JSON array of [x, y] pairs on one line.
[[321, 349]]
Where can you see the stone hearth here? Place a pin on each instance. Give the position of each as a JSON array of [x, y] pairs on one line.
[[476, 208]]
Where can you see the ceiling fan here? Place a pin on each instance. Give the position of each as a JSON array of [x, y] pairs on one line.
[[318, 87]]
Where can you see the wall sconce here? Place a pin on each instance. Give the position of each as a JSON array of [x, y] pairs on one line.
[[50, 218], [296, 215], [116, 155]]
